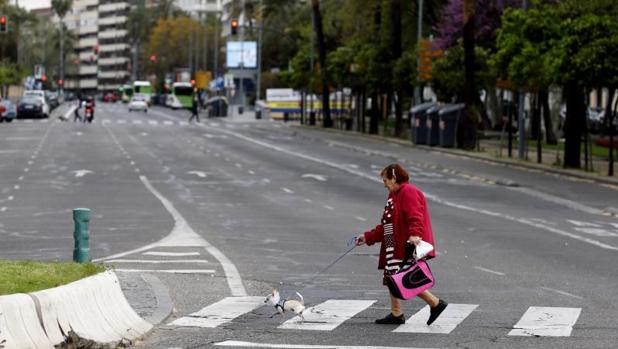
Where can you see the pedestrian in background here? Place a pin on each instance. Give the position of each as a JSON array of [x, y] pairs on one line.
[[76, 116], [405, 220], [194, 105]]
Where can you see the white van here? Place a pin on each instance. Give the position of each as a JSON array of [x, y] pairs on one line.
[[39, 94]]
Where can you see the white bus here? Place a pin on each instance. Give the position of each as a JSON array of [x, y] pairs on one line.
[[180, 95]]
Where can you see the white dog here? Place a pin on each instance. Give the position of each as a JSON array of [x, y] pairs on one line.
[[295, 306]]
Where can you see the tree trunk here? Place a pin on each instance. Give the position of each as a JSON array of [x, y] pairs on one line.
[[315, 5], [609, 119], [550, 136], [469, 122], [396, 49], [575, 124], [375, 114], [534, 121]]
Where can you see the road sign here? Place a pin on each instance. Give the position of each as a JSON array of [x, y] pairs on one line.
[[228, 80]]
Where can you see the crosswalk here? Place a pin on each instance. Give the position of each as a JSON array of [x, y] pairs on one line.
[[129, 121], [330, 314]]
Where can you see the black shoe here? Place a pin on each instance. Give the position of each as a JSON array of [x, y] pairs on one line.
[[391, 319], [436, 311]]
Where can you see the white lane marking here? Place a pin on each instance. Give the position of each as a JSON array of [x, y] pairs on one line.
[[308, 200], [597, 232], [584, 224], [30, 162], [200, 174], [221, 312], [10, 198], [429, 196], [238, 165], [362, 219], [289, 191], [546, 322], [137, 122], [28, 121], [81, 173], [328, 315], [557, 200], [3, 208], [183, 123], [251, 172], [16, 187], [152, 261], [317, 177], [121, 121], [171, 254], [242, 344], [21, 178], [169, 271], [26, 169], [9, 151], [489, 271], [453, 315], [329, 207], [564, 293], [182, 235], [167, 122], [153, 122]]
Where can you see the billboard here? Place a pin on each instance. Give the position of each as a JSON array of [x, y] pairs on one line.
[[241, 54]]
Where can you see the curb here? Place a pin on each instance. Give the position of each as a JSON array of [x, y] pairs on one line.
[[94, 308], [164, 301], [463, 153]]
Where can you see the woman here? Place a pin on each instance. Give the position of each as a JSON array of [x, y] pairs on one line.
[[405, 220]]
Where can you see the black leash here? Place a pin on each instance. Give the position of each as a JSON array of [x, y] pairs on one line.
[[350, 242]]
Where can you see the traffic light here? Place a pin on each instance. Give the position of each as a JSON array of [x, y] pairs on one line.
[[4, 24], [44, 78], [153, 58], [192, 82], [60, 82], [234, 26]]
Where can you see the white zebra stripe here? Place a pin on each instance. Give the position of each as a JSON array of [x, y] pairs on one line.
[[546, 322], [221, 312], [452, 316], [328, 315]]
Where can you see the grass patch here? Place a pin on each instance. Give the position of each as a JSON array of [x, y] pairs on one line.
[[29, 276]]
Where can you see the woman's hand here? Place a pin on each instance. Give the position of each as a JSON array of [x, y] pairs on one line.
[[360, 240], [415, 240]]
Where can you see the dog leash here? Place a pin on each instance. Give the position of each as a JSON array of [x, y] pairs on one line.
[[351, 242]]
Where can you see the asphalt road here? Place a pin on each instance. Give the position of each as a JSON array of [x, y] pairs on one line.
[[247, 206]]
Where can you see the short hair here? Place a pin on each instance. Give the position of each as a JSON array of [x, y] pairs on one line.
[[395, 171]]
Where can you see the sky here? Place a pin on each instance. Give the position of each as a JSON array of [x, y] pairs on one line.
[[30, 4]]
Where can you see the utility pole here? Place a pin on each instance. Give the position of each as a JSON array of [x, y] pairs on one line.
[[241, 36], [419, 37], [216, 48], [521, 123], [311, 112], [259, 62], [206, 41]]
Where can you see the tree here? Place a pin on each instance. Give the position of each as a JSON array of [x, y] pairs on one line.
[[61, 7], [319, 32]]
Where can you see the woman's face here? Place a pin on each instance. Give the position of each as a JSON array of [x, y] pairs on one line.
[[390, 184]]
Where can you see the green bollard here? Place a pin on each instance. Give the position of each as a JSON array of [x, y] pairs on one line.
[[81, 252]]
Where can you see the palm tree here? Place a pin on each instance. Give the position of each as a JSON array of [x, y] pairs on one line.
[[61, 7]]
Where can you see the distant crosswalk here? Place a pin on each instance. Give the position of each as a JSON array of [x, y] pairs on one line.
[[330, 314]]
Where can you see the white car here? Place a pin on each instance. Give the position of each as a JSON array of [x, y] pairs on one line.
[[40, 95], [138, 103]]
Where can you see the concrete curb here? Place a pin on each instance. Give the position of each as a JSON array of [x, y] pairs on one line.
[[476, 156], [164, 300], [94, 308]]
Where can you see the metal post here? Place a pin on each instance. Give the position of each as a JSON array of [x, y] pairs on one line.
[[241, 88], [61, 56], [419, 37], [216, 48], [81, 235], [206, 41], [311, 111], [259, 57]]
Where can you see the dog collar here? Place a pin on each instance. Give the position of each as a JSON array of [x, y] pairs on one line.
[[281, 305]]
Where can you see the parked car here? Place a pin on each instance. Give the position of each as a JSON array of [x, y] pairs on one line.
[[30, 106], [40, 95], [217, 106], [52, 100], [595, 116], [7, 111], [139, 102], [110, 97]]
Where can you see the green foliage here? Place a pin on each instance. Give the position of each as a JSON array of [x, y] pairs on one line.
[[447, 78], [30, 276]]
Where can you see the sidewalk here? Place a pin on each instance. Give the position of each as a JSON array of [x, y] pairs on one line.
[[147, 295]]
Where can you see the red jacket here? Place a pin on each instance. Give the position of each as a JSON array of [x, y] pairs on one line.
[[411, 218]]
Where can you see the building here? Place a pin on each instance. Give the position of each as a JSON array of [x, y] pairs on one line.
[[100, 61]]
